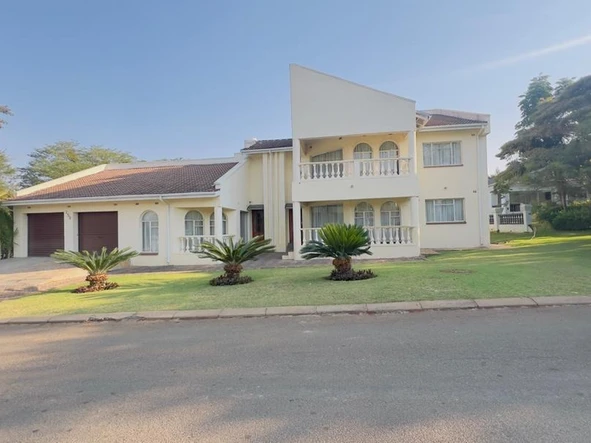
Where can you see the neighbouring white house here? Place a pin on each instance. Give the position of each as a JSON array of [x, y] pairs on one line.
[[414, 179]]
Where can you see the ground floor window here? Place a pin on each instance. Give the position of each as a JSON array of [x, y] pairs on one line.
[[390, 214], [322, 215], [212, 224], [150, 232], [364, 215], [445, 210], [193, 223]]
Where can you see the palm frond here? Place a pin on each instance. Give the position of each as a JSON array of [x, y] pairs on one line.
[[95, 262], [231, 252], [338, 241]]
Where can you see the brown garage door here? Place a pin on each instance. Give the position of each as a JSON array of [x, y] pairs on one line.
[[97, 229], [45, 233]]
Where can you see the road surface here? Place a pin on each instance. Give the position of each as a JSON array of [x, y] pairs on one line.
[[515, 375]]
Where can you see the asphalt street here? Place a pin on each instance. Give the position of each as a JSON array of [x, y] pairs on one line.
[[510, 375]]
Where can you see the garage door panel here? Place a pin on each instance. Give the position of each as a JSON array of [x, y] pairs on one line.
[[97, 230], [45, 233]]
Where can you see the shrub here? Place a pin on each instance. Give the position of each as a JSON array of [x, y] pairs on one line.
[[363, 274], [233, 255], [574, 218], [96, 264], [547, 212], [340, 242]]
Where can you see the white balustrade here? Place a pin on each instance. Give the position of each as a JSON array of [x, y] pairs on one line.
[[378, 235], [339, 169], [192, 243]]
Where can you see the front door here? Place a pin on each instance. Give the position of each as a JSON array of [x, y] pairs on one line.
[[258, 222]]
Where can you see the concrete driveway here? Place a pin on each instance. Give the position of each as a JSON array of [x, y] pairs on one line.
[[515, 376], [20, 276]]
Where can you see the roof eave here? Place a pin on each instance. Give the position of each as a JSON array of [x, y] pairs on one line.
[[263, 150], [113, 198], [452, 127]]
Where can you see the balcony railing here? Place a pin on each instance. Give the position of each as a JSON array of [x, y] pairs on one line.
[[383, 235], [335, 170], [192, 243]]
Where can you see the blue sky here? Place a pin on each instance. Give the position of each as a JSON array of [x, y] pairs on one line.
[[193, 79]]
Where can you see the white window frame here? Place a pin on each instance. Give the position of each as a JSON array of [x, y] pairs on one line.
[[212, 224], [434, 154], [435, 210], [196, 224], [391, 211], [148, 245], [335, 210], [364, 215]]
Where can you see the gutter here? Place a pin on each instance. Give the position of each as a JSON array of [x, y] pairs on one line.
[[478, 185], [167, 229], [262, 151], [113, 198], [452, 127]]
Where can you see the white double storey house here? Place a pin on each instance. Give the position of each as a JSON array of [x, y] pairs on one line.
[[413, 179]]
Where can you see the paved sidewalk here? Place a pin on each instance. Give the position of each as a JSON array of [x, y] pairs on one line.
[[369, 308]]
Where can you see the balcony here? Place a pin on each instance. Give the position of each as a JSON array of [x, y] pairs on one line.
[[385, 241], [355, 179], [192, 243]]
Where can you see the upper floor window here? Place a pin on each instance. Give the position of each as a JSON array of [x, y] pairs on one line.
[[364, 215], [442, 154], [389, 150], [212, 224], [390, 214], [193, 223], [149, 232], [448, 210], [362, 152]]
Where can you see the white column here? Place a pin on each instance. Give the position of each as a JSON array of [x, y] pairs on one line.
[[412, 141], [70, 237], [281, 230], [297, 230], [217, 216], [414, 220]]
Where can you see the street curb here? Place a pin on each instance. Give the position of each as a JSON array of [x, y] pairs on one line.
[[281, 311]]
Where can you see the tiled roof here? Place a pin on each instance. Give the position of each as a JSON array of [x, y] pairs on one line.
[[270, 144], [448, 120], [161, 180]]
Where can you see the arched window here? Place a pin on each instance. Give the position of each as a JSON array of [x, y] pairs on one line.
[[389, 150], [212, 224], [193, 223], [362, 152], [149, 232], [390, 214], [389, 163], [364, 215]]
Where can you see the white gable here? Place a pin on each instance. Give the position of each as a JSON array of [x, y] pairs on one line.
[[323, 105]]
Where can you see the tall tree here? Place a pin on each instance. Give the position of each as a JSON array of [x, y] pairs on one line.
[[67, 157], [6, 111], [538, 91], [554, 149]]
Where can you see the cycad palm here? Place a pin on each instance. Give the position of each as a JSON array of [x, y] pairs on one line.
[[234, 254], [339, 242], [96, 264]]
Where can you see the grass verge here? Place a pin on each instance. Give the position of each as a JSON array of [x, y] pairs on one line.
[[557, 264]]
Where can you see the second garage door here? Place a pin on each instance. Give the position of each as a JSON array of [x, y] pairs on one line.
[[97, 229]]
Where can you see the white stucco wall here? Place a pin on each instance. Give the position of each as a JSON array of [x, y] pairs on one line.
[[323, 105], [129, 226], [467, 181]]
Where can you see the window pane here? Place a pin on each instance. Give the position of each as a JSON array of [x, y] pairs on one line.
[[442, 154]]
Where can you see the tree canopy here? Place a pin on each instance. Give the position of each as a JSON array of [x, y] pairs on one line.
[[552, 145], [67, 157]]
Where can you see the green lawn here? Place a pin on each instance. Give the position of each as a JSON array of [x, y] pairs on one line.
[[547, 265]]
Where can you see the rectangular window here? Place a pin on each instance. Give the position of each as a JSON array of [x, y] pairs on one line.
[[445, 210], [321, 215], [442, 154]]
